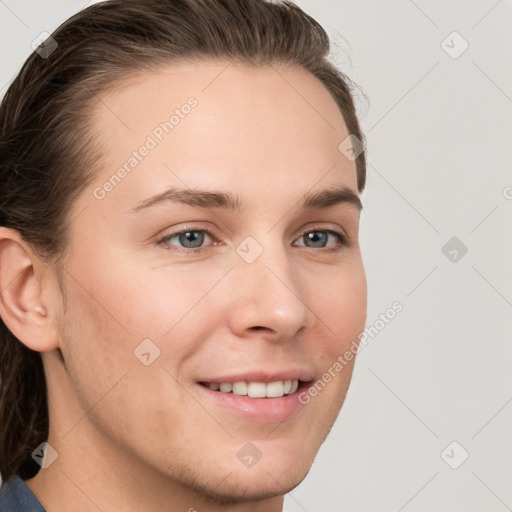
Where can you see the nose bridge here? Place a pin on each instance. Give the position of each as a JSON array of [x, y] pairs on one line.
[[270, 293]]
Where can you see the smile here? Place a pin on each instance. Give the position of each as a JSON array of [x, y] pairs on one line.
[[254, 389]]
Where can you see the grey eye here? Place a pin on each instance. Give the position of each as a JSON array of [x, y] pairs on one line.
[[189, 239], [317, 238]]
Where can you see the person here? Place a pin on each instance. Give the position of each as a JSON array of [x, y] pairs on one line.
[[180, 269]]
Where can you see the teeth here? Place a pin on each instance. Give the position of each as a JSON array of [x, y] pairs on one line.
[[256, 389], [275, 389], [226, 387], [240, 388]]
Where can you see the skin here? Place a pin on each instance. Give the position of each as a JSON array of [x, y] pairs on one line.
[[133, 437]]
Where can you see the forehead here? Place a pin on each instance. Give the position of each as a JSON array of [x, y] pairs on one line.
[[206, 122]]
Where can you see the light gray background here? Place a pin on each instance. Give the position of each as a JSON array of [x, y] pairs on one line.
[[439, 133]]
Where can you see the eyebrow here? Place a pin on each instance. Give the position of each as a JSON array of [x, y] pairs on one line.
[[225, 200]]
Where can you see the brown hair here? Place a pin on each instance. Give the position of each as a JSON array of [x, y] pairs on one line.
[[48, 155]]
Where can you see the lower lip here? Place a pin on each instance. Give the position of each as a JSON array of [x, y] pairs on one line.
[[265, 410]]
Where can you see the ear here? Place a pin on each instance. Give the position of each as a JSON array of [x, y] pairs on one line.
[[25, 310]]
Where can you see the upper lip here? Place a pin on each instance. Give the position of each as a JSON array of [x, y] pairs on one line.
[[264, 376]]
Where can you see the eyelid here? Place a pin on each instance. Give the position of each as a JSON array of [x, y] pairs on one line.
[[325, 226]]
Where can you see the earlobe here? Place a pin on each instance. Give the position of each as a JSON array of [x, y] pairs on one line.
[[22, 305]]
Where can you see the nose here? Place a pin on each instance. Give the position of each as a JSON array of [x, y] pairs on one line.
[[271, 295]]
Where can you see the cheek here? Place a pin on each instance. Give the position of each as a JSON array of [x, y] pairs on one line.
[[342, 308], [94, 343], [99, 336], [132, 298], [113, 309]]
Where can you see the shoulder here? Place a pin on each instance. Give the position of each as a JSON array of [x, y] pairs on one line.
[[15, 496]]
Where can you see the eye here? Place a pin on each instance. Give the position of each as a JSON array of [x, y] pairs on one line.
[[189, 239], [193, 240], [320, 237]]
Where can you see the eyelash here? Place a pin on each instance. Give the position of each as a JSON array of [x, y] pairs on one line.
[[341, 238]]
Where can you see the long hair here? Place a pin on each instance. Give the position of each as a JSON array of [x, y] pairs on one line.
[[48, 155]]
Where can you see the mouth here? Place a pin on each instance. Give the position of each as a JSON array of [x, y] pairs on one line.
[[274, 401], [255, 389]]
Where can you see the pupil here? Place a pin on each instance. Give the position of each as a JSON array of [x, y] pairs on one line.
[[195, 237], [316, 236]]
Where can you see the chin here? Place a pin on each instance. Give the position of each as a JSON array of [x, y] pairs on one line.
[[277, 472], [254, 485], [282, 464]]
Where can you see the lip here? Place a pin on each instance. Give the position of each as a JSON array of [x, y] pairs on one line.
[[264, 376], [258, 410]]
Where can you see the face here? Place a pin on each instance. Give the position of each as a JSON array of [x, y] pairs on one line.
[[170, 292]]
